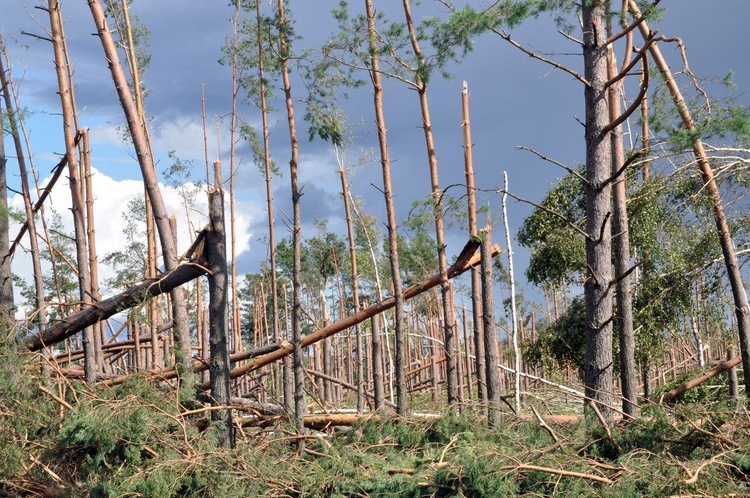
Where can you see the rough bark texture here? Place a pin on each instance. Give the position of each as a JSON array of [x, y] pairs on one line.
[[62, 68], [385, 162], [628, 377], [377, 363], [741, 308], [216, 253], [145, 161], [490, 334], [598, 293], [6, 276]]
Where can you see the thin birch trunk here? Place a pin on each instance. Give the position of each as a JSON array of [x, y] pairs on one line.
[[513, 314]]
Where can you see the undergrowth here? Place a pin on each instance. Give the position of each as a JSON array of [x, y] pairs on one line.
[[64, 439]]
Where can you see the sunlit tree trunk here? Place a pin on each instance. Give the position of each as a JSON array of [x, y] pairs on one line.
[[298, 358], [399, 318], [739, 296], [597, 289], [62, 68], [142, 147]]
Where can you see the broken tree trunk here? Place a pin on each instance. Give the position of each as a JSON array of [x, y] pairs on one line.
[[683, 388], [465, 261], [131, 297]]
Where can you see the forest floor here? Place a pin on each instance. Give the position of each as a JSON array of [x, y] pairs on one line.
[[62, 439]]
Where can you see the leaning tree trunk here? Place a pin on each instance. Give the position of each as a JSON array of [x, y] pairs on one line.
[[145, 160], [597, 288], [620, 224], [216, 253], [298, 358], [63, 71], [741, 309], [449, 326], [359, 380], [6, 276], [385, 162]]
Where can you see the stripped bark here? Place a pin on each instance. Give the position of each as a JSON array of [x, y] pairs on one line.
[[490, 332]]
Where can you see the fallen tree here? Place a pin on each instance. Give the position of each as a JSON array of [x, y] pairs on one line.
[[683, 388], [133, 296], [465, 261]]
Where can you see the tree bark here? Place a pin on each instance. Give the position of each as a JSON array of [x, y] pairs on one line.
[[385, 162], [449, 322], [151, 184], [91, 363], [490, 333], [597, 288], [620, 225], [741, 308], [6, 276], [359, 379], [476, 299], [377, 363], [300, 405], [216, 253], [131, 297]]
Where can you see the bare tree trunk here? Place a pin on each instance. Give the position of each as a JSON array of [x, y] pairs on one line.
[[490, 333], [6, 276], [449, 326], [741, 308], [235, 322], [143, 152], [597, 289], [377, 363], [620, 225], [216, 253], [359, 380], [514, 317], [62, 68], [399, 322], [476, 300], [300, 405]]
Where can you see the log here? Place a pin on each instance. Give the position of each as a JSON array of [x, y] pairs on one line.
[[683, 388], [133, 296], [465, 261]]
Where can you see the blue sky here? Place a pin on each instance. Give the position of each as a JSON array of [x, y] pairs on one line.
[[515, 101]]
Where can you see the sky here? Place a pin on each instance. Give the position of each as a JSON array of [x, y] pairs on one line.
[[515, 101]]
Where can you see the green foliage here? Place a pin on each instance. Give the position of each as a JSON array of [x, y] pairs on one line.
[[558, 252], [562, 343]]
